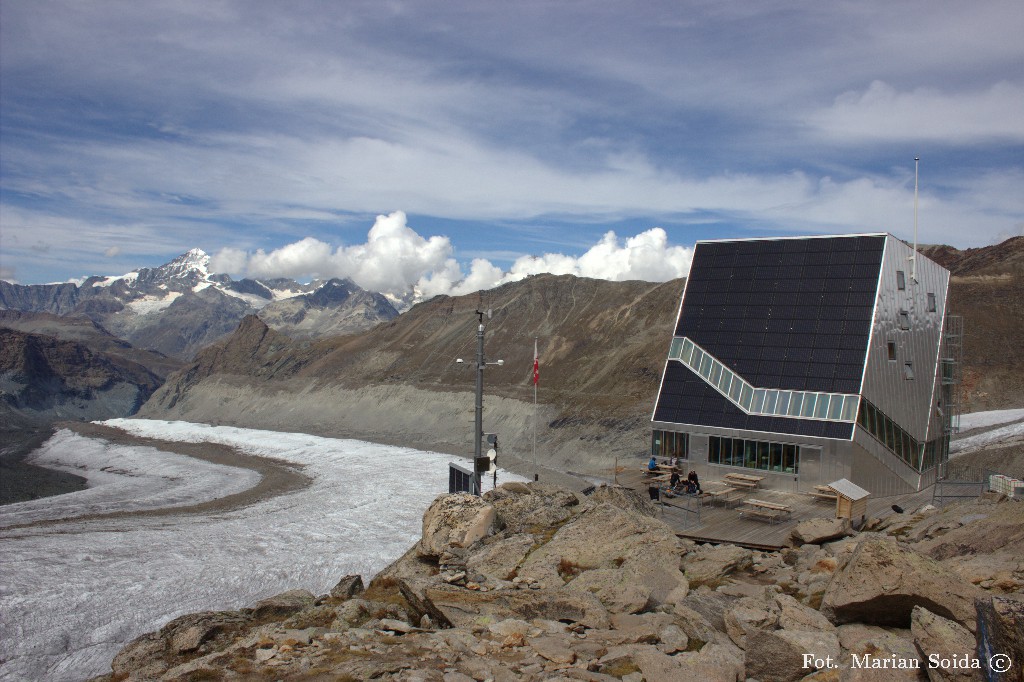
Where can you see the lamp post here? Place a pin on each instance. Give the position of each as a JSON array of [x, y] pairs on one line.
[[478, 421]]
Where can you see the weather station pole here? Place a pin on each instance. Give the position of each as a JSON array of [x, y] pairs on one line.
[[478, 416], [478, 423]]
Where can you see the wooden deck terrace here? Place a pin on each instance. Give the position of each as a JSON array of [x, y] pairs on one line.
[[721, 522]]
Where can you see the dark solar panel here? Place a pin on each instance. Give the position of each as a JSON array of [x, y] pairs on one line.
[[786, 313], [692, 401]]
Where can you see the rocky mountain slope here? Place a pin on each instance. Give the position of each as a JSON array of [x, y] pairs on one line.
[[987, 290], [180, 307], [602, 347], [44, 378], [533, 582]]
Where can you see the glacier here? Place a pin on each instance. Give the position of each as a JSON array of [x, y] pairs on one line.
[[73, 591]]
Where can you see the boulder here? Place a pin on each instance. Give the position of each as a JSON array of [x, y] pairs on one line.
[[945, 639], [456, 520], [1001, 631], [500, 560], [540, 508], [467, 608], [884, 580], [624, 498], [749, 615], [348, 587], [280, 606], [782, 655], [872, 642], [709, 565], [818, 531], [629, 561], [715, 662], [796, 616]]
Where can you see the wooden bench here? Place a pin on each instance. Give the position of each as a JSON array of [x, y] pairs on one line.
[[831, 497]]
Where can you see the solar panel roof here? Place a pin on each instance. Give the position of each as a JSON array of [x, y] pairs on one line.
[[783, 313]]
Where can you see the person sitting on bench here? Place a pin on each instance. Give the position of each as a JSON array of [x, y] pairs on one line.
[[693, 481], [673, 480], [653, 464]]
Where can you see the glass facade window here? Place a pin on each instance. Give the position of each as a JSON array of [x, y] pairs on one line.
[[754, 454], [808, 409], [900, 443], [931, 302], [668, 444], [850, 408], [754, 400], [890, 348], [901, 280]]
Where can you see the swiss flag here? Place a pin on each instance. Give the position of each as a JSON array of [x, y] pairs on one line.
[[536, 364]]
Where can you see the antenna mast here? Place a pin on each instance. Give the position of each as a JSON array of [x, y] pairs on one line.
[[913, 267]]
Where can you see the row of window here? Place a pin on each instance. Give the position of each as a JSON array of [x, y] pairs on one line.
[[669, 444], [901, 284], [895, 439], [764, 401], [754, 454]]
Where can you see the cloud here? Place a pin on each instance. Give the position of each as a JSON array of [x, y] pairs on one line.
[[8, 274], [881, 112], [395, 259], [112, 251]]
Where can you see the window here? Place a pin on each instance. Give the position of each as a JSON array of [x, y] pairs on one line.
[[890, 347], [835, 407], [904, 319], [745, 395], [808, 408], [735, 389], [850, 408], [676, 350], [725, 381], [666, 444], [901, 280], [821, 409], [931, 302], [782, 407], [758, 401], [754, 454], [770, 398], [908, 370], [716, 373], [795, 403]]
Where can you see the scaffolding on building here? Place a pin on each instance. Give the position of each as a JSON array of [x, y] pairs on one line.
[[952, 372]]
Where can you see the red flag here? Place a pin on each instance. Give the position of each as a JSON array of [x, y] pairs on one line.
[[536, 364]]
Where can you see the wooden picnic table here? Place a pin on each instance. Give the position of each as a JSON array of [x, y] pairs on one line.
[[727, 494], [823, 492], [765, 510], [744, 477]]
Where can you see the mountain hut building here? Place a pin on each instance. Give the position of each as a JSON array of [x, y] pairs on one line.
[[810, 360]]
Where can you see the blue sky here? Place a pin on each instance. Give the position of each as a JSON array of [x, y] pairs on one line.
[[133, 131]]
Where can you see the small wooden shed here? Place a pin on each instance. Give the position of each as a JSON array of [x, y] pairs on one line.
[[851, 500]]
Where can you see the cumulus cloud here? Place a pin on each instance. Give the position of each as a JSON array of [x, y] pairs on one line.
[[396, 260]]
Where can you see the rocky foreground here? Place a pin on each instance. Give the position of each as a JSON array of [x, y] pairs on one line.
[[534, 582]]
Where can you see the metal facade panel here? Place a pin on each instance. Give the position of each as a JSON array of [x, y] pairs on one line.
[[903, 318]]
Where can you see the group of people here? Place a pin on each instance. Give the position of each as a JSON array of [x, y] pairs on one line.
[[676, 483]]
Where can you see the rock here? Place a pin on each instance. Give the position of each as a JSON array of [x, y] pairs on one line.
[[710, 605], [143, 657], [553, 649], [935, 635], [543, 507], [818, 531], [1001, 631], [463, 608], [672, 639], [348, 587], [456, 520], [716, 662], [748, 615], [709, 565], [779, 656], [696, 626], [884, 580], [796, 616], [624, 498], [280, 606], [500, 559], [872, 642], [627, 560]]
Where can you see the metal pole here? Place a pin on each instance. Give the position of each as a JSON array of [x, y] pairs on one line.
[[478, 426], [913, 267]]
